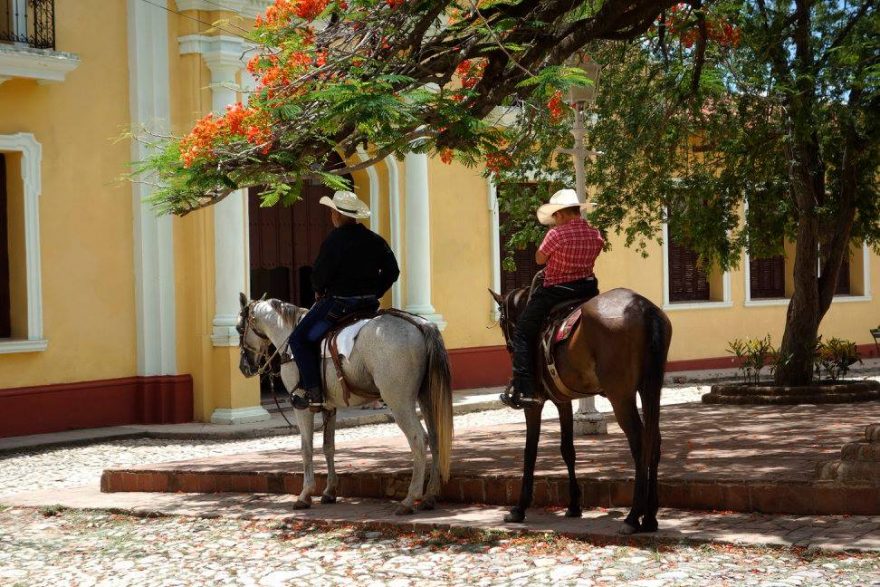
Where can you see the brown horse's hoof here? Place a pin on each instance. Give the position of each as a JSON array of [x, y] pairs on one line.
[[301, 505], [515, 516], [328, 498], [627, 530], [427, 504], [574, 513], [404, 510]]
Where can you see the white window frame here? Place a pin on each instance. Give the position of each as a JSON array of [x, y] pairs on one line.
[[31, 162], [866, 284], [749, 302], [725, 301]]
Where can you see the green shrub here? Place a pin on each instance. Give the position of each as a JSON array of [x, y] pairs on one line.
[[753, 355], [835, 357]]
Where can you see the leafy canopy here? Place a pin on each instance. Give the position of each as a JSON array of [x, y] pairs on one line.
[[386, 76]]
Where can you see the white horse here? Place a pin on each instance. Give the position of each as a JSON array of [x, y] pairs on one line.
[[404, 362]]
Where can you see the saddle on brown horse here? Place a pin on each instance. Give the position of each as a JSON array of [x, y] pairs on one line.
[[558, 327]]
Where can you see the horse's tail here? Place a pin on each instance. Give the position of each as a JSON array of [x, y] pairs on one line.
[[657, 335], [436, 394]]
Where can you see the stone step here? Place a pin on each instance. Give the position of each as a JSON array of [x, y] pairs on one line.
[[856, 472], [861, 451]]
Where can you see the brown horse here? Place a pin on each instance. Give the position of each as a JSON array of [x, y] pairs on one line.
[[617, 349]]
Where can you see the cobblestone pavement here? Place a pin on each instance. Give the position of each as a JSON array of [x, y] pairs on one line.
[[49, 547], [82, 465]]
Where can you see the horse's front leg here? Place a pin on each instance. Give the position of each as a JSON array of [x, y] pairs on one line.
[[530, 455], [329, 495], [566, 447], [305, 419]]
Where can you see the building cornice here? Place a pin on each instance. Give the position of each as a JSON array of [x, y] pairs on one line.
[[248, 8]]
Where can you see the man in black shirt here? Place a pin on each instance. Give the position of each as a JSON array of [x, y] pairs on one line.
[[354, 268]]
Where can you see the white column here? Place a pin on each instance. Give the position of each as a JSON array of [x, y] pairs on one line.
[[223, 56], [417, 270], [153, 240]]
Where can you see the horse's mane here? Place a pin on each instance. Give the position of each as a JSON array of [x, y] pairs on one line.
[[289, 313]]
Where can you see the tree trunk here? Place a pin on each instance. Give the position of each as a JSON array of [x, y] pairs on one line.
[[803, 317]]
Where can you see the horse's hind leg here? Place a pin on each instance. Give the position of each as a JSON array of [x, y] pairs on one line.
[[566, 447], [404, 411], [306, 422], [329, 495], [530, 455], [628, 419]]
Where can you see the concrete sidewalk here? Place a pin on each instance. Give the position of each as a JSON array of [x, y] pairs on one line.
[[464, 401], [472, 400]]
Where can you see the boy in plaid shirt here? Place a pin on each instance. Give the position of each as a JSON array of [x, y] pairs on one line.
[[569, 251]]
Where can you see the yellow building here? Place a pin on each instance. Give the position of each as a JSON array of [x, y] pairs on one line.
[[110, 315]]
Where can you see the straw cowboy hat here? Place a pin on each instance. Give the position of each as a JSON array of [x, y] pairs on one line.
[[347, 204], [567, 198]]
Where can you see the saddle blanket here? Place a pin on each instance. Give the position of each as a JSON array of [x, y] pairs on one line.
[[566, 326], [345, 340]]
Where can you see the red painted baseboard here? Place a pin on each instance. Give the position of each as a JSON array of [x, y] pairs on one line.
[[485, 366], [166, 399]]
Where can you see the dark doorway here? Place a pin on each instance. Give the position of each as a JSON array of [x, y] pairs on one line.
[[284, 242], [5, 322]]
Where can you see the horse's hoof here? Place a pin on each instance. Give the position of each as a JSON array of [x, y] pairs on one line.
[[427, 504], [627, 530], [301, 505], [515, 516], [328, 498], [404, 510], [574, 513], [648, 526]]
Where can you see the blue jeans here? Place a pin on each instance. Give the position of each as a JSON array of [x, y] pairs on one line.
[[305, 341]]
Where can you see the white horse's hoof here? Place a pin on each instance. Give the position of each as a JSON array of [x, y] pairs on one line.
[[404, 510], [301, 505], [328, 498], [627, 530]]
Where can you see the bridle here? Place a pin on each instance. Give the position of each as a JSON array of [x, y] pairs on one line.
[[266, 366]]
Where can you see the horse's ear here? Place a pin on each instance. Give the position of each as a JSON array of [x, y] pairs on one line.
[[498, 298], [263, 299], [242, 299]]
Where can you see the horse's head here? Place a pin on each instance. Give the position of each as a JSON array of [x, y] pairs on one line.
[[253, 344], [510, 306]]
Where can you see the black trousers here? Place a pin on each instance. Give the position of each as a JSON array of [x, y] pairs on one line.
[[525, 339]]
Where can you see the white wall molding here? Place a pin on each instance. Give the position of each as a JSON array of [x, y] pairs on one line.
[[149, 97], [31, 163], [42, 65], [248, 8], [375, 200]]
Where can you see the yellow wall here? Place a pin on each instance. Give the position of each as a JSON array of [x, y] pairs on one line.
[[85, 212]]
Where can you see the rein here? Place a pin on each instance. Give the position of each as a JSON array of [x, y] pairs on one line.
[[266, 367]]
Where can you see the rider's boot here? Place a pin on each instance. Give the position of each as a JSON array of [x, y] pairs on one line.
[[312, 398], [523, 394]]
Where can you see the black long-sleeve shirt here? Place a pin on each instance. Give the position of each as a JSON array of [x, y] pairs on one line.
[[354, 261]]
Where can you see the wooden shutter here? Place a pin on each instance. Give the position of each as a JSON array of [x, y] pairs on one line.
[[523, 258], [767, 277], [5, 310], [687, 281]]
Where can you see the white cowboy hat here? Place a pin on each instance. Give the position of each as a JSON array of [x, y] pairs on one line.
[[566, 198], [347, 204]]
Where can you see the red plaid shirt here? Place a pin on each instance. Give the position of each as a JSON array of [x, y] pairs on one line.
[[571, 251]]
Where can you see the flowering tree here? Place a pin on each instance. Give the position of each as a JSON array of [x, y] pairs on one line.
[[388, 76]]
